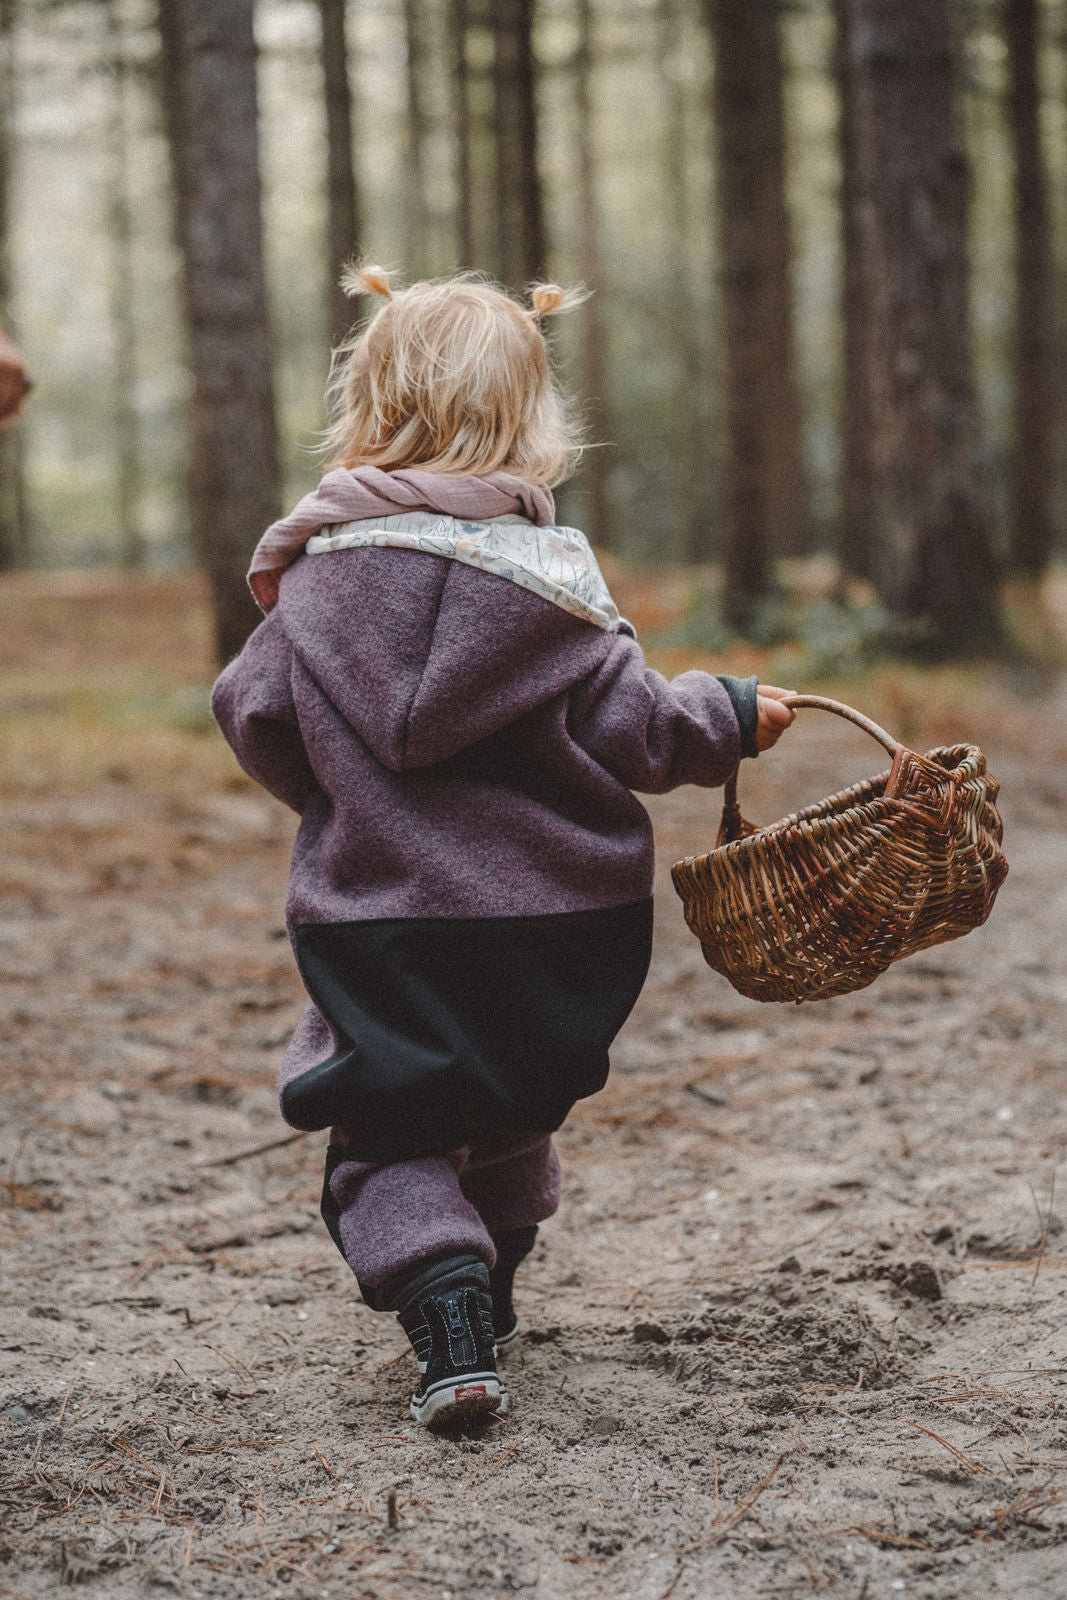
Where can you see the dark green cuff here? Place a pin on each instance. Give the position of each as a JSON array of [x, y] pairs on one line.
[[742, 692]]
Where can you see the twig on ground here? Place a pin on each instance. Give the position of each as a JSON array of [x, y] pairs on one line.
[[669, 1590], [971, 1465], [63, 1407], [234, 1363], [1039, 1498], [257, 1150], [876, 1534], [1045, 1223], [228, 1444], [739, 1513], [510, 1451], [709, 1099]]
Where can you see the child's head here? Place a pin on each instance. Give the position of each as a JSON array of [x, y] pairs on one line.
[[451, 376]]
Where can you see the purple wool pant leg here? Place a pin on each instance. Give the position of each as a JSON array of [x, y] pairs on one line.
[[512, 1188], [394, 1216], [397, 1215]]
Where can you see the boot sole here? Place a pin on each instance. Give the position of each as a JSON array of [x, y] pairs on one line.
[[455, 1401]]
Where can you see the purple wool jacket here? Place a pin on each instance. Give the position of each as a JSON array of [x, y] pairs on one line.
[[456, 746]]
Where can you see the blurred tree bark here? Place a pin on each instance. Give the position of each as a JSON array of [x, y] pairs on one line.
[[594, 479], [1034, 334], [13, 529], [696, 537], [342, 191], [520, 243], [210, 104], [931, 559], [855, 506], [762, 488], [128, 475], [458, 27], [416, 208]]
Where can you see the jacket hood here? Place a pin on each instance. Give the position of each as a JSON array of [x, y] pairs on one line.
[[423, 655]]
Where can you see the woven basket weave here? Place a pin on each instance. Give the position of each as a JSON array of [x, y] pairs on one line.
[[823, 901]]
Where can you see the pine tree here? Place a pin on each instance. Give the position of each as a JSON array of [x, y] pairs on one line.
[[1034, 341], [210, 101], [13, 522], [342, 193], [520, 242], [762, 487], [930, 559]]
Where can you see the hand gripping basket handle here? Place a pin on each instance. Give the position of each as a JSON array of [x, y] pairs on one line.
[[732, 826]]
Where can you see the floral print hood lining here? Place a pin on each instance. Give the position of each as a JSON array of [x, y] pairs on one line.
[[556, 563]]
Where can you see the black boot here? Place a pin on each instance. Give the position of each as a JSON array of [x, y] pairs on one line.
[[511, 1248], [446, 1311]]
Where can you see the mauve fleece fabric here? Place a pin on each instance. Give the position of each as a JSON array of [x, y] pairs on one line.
[[392, 1217], [457, 746]]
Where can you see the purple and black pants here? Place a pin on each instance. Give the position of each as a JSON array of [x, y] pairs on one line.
[[386, 1218]]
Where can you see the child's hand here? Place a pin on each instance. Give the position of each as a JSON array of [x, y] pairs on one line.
[[773, 717]]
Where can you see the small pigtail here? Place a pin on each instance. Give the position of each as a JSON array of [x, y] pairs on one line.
[[365, 279], [548, 298]]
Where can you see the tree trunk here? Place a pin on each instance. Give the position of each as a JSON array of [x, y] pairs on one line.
[[521, 248], [126, 421], [594, 477], [13, 532], [416, 210], [696, 542], [855, 508], [342, 193], [1034, 339], [458, 27], [762, 489], [209, 54], [930, 554]]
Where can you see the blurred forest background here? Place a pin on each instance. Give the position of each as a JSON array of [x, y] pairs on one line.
[[828, 239]]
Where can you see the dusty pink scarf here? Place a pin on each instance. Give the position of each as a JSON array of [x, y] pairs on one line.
[[350, 495]]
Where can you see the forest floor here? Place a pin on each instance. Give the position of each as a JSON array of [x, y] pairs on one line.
[[799, 1327]]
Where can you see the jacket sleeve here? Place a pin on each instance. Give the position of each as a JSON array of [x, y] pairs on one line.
[[252, 702], [651, 734]]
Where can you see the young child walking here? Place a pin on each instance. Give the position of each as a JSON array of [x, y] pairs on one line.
[[445, 692]]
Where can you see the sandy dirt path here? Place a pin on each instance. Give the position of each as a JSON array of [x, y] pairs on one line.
[[798, 1327]]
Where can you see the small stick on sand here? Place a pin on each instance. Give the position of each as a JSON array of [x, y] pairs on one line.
[[257, 1150], [669, 1590], [972, 1466], [878, 1537], [709, 1099], [738, 1514], [499, 1462], [63, 1407], [234, 1363], [1045, 1223]]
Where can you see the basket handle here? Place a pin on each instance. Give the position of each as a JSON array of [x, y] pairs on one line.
[[732, 825]]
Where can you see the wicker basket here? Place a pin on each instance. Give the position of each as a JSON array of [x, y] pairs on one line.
[[823, 901]]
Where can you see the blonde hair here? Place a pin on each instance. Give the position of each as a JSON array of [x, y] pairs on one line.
[[451, 376]]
